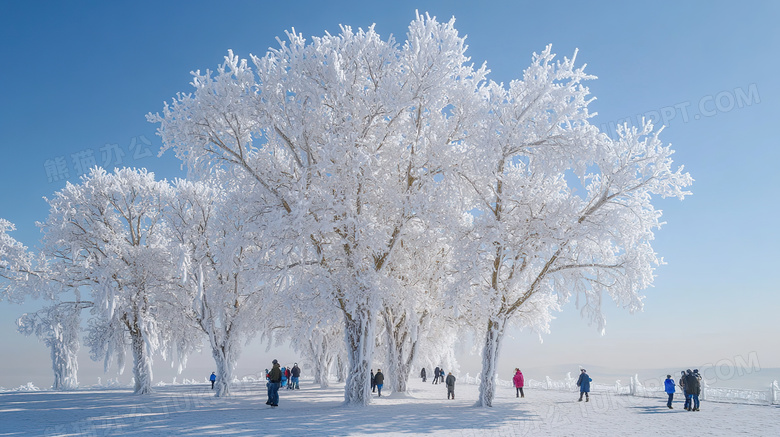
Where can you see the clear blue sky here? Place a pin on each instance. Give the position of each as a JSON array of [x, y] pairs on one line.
[[78, 78]]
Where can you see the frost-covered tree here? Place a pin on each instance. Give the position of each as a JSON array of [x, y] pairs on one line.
[[323, 347], [14, 257], [303, 314], [221, 268], [537, 239], [58, 326], [106, 235], [23, 274], [343, 140], [20, 276], [349, 143], [417, 322]]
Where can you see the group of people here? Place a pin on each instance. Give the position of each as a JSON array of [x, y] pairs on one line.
[[280, 377], [290, 377], [438, 375], [377, 381], [690, 383]]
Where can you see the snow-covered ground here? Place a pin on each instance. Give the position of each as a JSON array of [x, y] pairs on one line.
[[311, 411]]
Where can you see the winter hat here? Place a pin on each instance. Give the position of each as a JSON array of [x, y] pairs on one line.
[[688, 371], [275, 362], [668, 376]]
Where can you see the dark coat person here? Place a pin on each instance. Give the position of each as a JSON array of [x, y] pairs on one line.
[[450, 381], [379, 379], [275, 375], [295, 375], [422, 374], [687, 404], [692, 390]]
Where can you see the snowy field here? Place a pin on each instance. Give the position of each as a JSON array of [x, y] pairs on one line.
[[192, 410]]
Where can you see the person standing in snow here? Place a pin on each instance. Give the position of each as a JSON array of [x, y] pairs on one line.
[[289, 378], [274, 381], [669, 387], [450, 381], [519, 382], [435, 375], [697, 375], [379, 380], [584, 384], [373, 382], [687, 403], [422, 374], [213, 379], [296, 374], [441, 375], [692, 390], [284, 376]]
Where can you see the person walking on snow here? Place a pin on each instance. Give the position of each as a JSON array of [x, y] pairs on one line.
[[296, 374], [669, 387], [379, 379], [584, 384], [422, 374], [213, 379], [274, 381], [519, 382], [435, 375], [373, 382], [450, 381]]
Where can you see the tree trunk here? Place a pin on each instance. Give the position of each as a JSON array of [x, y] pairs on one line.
[[325, 383], [316, 360], [224, 360], [64, 361], [399, 357], [142, 363], [399, 372], [487, 385], [320, 363], [359, 338]]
